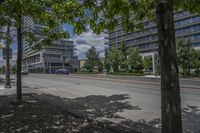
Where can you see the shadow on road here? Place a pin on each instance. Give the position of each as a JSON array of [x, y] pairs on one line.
[[100, 106], [49, 113]]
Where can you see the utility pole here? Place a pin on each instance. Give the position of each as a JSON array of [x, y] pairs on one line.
[[7, 76]]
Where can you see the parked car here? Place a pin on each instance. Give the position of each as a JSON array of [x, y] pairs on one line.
[[24, 72], [62, 71]]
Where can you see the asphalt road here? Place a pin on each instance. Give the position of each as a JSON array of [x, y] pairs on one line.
[[140, 96]]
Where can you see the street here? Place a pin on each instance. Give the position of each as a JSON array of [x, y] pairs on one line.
[[126, 99]]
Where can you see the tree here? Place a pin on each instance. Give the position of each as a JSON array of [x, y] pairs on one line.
[[99, 65], [7, 51], [1, 70], [44, 12], [148, 63], [107, 14], [113, 59], [8, 42], [104, 15], [13, 69], [134, 60], [188, 57], [195, 55], [123, 56], [157, 65], [92, 59], [107, 61], [12, 13], [185, 58]]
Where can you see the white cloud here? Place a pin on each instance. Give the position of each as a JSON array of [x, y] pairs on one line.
[[102, 54], [84, 42], [14, 54]]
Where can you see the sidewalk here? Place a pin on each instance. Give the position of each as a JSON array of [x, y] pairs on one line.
[[44, 113], [89, 109], [37, 117], [49, 114], [5, 92]]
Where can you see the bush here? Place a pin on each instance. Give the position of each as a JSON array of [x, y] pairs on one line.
[[84, 71], [197, 73], [2, 70]]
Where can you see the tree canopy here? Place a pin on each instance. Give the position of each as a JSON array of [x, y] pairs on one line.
[[188, 57], [48, 13], [134, 60], [122, 55], [106, 14], [92, 60]]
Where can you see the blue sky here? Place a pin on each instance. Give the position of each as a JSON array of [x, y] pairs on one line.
[[82, 43], [68, 28]]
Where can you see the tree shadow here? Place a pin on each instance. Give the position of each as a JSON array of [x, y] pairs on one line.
[[34, 116], [53, 114], [143, 126], [97, 106], [191, 119], [44, 113]]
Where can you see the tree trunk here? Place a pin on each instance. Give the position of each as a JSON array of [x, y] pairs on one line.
[[7, 83], [170, 88], [19, 62]]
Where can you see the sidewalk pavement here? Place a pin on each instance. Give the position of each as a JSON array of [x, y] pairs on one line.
[[6, 91], [152, 76], [92, 109], [66, 106], [33, 115]]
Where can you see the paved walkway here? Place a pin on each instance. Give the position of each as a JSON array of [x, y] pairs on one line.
[[35, 116]]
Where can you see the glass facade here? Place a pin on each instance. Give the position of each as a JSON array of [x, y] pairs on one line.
[[59, 52], [186, 26]]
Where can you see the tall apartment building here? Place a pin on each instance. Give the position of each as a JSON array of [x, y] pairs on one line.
[[3, 44], [59, 54], [186, 26]]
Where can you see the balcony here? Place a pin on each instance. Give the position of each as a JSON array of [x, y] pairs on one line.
[[57, 52]]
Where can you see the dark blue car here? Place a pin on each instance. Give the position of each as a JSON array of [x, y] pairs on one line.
[[62, 71]]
